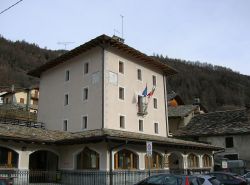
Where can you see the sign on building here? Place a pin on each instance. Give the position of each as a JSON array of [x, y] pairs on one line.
[[149, 148], [224, 164]]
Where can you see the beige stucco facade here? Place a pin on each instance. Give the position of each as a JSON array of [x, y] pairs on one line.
[[103, 95]]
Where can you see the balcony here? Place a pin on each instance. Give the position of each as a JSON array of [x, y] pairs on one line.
[[142, 109]]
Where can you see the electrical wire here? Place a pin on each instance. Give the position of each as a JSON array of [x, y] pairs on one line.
[[10, 7]]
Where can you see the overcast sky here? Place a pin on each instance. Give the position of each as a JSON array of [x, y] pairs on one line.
[[212, 31]]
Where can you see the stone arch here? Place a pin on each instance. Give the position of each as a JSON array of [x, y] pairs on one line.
[[87, 159], [43, 159], [175, 161], [192, 160], [156, 160], [8, 157], [207, 161], [126, 159]]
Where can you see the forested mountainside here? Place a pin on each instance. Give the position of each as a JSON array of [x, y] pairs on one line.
[[218, 88], [215, 86], [17, 58]]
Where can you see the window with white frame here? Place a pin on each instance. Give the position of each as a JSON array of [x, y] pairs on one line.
[[66, 99], [139, 74], [156, 128], [84, 122], [121, 93], [122, 121], [155, 103], [65, 125], [154, 80], [140, 125], [86, 68], [67, 75], [121, 67], [85, 93]]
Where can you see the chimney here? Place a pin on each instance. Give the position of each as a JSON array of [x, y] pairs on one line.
[[119, 39]]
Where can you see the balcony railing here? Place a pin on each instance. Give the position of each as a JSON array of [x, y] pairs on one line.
[[26, 123]]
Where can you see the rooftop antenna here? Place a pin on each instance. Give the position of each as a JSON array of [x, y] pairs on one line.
[[122, 24], [116, 31], [65, 44]]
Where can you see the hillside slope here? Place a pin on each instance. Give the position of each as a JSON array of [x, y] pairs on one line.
[[216, 86], [16, 58]]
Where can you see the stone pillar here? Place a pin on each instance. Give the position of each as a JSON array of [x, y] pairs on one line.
[[185, 161], [200, 161], [23, 161], [166, 161]]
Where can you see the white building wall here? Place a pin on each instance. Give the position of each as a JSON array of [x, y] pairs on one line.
[[114, 107], [53, 88]]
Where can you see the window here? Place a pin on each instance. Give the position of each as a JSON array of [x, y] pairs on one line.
[[154, 80], [140, 125], [229, 142], [142, 106], [155, 103], [231, 156], [156, 128], [87, 159], [121, 93], [193, 161], [156, 161], [65, 125], [84, 122], [85, 93], [9, 158], [22, 100], [126, 159], [207, 161], [139, 75], [121, 67], [66, 99], [122, 121], [86, 68], [67, 75]]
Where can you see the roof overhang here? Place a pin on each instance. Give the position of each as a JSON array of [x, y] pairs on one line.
[[104, 41]]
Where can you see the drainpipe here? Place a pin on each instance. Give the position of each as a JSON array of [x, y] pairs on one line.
[[165, 103], [110, 160]]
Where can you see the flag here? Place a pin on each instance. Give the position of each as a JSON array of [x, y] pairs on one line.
[[145, 91], [151, 92]]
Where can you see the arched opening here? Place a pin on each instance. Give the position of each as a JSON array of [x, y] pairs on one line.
[[193, 161], [155, 161], [43, 160], [87, 159], [8, 158], [126, 159], [207, 161], [175, 161]]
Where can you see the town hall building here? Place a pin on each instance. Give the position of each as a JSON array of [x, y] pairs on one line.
[[98, 106]]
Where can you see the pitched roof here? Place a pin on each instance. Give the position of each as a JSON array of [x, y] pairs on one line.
[[39, 135], [181, 110], [217, 123], [105, 42]]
